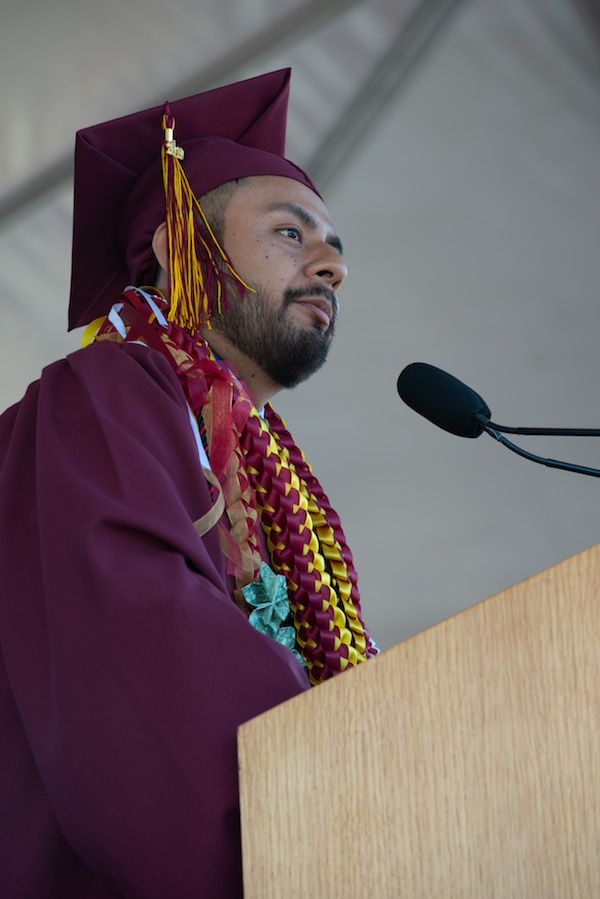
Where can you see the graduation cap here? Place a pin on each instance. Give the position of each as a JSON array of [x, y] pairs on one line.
[[231, 132]]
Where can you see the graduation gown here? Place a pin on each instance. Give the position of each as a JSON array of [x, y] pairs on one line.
[[125, 665]]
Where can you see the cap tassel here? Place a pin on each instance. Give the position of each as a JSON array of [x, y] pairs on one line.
[[198, 265]]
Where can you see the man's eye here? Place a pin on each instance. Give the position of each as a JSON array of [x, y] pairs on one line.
[[294, 233]]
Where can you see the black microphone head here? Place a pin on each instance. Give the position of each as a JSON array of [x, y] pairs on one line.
[[442, 399]]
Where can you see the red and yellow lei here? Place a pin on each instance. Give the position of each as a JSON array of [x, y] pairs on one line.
[[265, 480]]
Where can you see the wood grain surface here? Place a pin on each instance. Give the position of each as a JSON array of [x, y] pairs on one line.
[[464, 762]]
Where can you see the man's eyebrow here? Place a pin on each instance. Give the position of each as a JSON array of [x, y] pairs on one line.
[[307, 219]]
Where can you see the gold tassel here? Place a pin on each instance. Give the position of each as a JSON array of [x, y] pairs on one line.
[[195, 293]]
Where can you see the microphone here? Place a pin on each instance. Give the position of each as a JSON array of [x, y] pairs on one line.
[[451, 405], [443, 399]]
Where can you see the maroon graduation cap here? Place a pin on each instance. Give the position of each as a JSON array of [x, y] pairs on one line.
[[227, 133]]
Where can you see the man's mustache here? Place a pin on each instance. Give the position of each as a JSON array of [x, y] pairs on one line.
[[312, 290]]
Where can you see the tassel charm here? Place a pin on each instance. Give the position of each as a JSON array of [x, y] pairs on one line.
[[171, 147]]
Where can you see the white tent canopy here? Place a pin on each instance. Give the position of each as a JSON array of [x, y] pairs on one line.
[[467, 197]]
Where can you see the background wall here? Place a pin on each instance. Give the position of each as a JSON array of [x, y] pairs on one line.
[[467, 197]]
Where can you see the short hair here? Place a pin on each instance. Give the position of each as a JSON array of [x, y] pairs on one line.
[[215, 203]]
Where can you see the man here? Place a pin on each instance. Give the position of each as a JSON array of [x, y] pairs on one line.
[[171, 566]]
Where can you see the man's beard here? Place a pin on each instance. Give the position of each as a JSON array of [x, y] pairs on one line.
[[287, 352]]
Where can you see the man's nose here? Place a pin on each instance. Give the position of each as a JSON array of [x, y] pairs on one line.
[[327, 265]]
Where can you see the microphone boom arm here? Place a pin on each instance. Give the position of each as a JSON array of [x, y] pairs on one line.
[[550, 463], [540, 432]]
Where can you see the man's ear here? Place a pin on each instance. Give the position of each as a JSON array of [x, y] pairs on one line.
[[159, 246]]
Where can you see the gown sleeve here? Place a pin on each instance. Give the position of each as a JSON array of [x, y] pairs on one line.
[[130, 665]]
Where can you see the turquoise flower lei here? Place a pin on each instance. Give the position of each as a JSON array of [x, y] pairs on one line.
[[268, 595]]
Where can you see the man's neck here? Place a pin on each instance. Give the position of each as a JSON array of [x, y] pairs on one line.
[[259, 384]]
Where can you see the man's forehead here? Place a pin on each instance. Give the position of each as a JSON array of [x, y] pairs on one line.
[[268, 190]]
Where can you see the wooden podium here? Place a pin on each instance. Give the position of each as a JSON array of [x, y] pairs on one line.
[[464, 762]]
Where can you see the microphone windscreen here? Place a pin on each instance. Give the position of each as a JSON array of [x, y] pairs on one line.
[[442, 399]]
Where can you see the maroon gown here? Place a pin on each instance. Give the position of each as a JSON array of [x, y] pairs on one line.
[[126, 667]]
